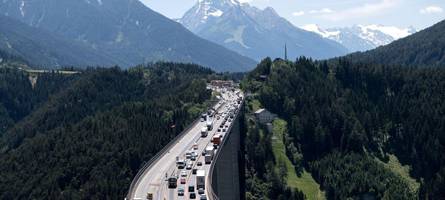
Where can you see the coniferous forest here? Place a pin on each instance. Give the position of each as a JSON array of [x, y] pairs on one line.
[[85, 136], [345, 121]]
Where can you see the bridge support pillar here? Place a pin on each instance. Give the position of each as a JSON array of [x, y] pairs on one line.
[[228, 175]]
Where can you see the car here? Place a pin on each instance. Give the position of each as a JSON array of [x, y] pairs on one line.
[[201, 191], [191, 188], [183, 173], [195, 146], [194, 171], [203, 197], [189, 167], [182, 180], [199, 163], [180, 191], [192, 195], [203, 153], [224, 130], [219, 130]]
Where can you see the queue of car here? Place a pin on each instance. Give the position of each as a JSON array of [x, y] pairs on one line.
[[191, 156]]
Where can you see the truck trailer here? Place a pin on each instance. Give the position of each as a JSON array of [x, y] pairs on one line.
[[209, 154], [200, 179], [204, 132]]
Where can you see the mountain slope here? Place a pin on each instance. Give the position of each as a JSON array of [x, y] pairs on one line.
[[88, 139], [125, 29], [40, 47], [361, 37], [254, 32], [345, 120], [425, 48]]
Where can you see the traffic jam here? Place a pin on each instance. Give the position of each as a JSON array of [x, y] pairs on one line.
[[193, 167]]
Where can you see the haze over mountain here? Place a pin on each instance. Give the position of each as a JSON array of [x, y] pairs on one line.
[[126, 30], [362, 37], [254, 32], [42, 48], [425, 48]]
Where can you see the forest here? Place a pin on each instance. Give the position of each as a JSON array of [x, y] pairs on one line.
[[346, 120], [85, 136]]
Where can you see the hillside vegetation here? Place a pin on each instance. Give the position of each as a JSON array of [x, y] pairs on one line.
[[343, 117], [88, 136]]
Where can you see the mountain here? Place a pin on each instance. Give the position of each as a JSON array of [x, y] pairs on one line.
[[42, 48], [363, 120], [85, 136], [361, 37], [254, 32], [124, 29], [425, 49]]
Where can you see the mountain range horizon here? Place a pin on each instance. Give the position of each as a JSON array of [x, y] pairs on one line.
[[244, 32]]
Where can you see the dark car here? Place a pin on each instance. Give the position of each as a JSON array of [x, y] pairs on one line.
[[200, 191], [191, 188], [192, 195]]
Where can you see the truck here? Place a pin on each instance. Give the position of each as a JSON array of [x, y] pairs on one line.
[[209, 124], [204, 132], [200, 179], [209, 154], [216, 140]]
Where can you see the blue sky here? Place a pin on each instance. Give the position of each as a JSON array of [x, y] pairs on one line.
[[334, 13]]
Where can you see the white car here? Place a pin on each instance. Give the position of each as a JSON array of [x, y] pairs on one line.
[[183, 173]]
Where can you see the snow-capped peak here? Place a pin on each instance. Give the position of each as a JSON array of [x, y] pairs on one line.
[[362, 37], [392, 31], [316, 29]]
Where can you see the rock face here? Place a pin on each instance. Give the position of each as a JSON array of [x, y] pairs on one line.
[[126, 30], [254, 32]]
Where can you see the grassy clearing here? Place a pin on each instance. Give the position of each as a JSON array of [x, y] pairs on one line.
[[396, 167], [255, 105], [306, 182]]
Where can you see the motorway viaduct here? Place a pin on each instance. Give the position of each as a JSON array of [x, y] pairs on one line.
[[228, 178]]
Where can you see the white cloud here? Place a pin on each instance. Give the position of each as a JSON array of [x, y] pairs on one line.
[[321, 11], [365, 10], [298, 13], [431, 10]]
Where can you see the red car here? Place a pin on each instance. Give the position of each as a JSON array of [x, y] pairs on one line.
[[182, 180]]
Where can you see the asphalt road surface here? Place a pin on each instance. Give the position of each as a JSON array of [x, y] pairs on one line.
[[154, 180]]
